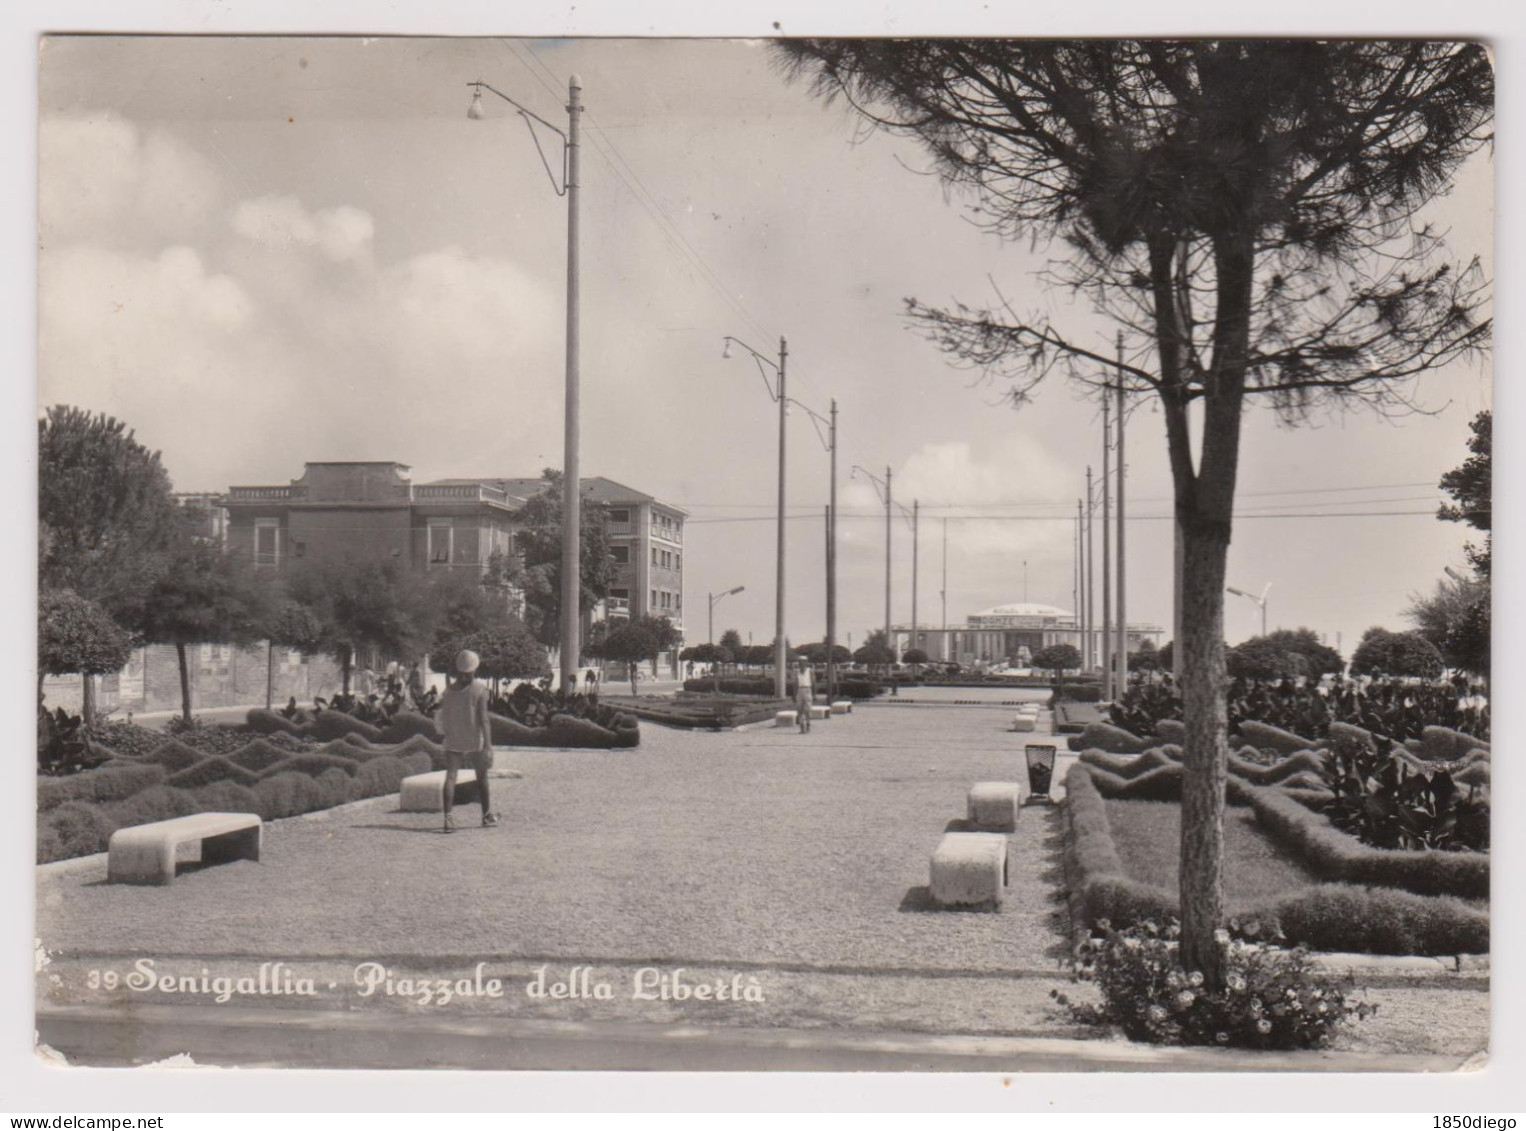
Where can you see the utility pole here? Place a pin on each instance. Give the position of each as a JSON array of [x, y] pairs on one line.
[[1077, 596], [572, 486], [888, 643], [1091, 590], [915, 554], [832, 561], [1107, 549], [1123, 620], [943, 593]]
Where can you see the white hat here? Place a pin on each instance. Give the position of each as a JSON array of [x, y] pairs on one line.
[[467, 661]]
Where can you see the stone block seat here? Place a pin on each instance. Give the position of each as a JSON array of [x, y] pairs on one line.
[[969, 870], [785, 718], [1025, 723], [425, 793], [842, 706], [993, 805], [145, 854], [820, 711]]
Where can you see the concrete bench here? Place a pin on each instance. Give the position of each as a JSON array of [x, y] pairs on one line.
[[785, 718], [1025, 723], [969, 870], [994, 805], [842, 706], [145, 854], [425, 793], [820, 711]]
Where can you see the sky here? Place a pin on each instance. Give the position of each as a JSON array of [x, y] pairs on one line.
[[264, 251]]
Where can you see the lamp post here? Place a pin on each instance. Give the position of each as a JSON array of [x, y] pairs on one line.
[[571, 590], [1260, 601], [714, 597], [780, 675]]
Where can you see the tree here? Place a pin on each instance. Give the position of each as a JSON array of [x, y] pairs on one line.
[[201, 595], [1261, 657], [873, 654], [1401, 654], [1058, 659], [1248, 211], [664, 635], [816, 653], [76, 636], [539, 542], [507, 650], [629, 644], [104, 508], [364, 605], [731, 640], [1455, 618], [1145, 658], [1472, 486]]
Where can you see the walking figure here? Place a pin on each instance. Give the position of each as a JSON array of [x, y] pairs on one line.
[[804, 697], [463, 718]]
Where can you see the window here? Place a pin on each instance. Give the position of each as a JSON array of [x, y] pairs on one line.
[[654, 599], [620, 516], [620, 555], [267, 542], [656, 556], [678, 562], [441, 541]]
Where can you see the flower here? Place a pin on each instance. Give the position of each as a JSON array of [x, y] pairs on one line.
[[1185, 998], [1157, 1013], [1131, 943], [1221, 936], [1263, 1026], [1255, 1005], [1253, 926], [1196, 978], [1235, 982], [1174, 979], [1222, 1038], [1292, 993], [1320, 1008]]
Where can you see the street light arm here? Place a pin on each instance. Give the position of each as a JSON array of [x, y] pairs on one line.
[[761, 360], [528, 114]]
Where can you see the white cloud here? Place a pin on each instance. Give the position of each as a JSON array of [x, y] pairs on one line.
[[342, 234]]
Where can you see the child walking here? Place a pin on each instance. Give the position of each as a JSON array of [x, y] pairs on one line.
[[463, 717]]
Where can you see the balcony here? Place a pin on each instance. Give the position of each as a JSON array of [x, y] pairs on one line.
[[259, 494], [458, 493]]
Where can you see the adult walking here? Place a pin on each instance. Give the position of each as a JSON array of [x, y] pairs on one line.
[[805, 695], [463, 717]]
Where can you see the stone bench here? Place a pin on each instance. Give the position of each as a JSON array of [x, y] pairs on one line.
[[993, 805], [425, 793], [1025, 723], [785, 718], [820, 711], [842, 706], [145, 854], [969, 870]]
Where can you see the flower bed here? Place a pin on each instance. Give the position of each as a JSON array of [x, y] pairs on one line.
[[1326, 915]]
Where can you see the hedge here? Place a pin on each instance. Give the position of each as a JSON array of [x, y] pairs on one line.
[[1082, 692], [1326, 916], [310, 764], [269, 722], [510, 732], [568, 730], [259, 755], [743, 685], [1126, 766], [1264, 737], [1171, 730], [74, 828], [156, 803], [1443, 744], [1105, 736], [406, 724], [1305, 761], [1335, 855], [289, 794], [211, 769], [174, 755], [226, 797], [1163, 783], [109, 783], [333, 724]]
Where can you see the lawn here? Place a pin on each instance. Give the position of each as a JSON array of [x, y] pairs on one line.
[[1256, 871]]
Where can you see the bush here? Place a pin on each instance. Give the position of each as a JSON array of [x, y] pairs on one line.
[[269, 722], [1382, 921], [226, 797], [1171, 730], [384, 775], [109, 783], [174, 756], [1305, 761], [1443, 744], [418, 744], [156, 803], [510, 732], [337, 787], [288, 794], [1273, 998], [1103, 736], [1162, 783], [212, 769], [1124, 766], [1276, 739], [311, 765], [74, 828], [258, 755], [420, 763], [1100, 888], [334, 724], [1079, 692], [742, 685], [406, 724], [1335, 855], [128, 739], [859, 689], [564, 730]]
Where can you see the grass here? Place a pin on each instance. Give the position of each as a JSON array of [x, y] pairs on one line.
[[1148, 837]]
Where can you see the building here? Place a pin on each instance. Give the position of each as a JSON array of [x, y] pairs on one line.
[[1010, 632]]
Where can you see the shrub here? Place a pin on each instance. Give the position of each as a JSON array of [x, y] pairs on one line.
[[418, 744], [1103, 736], [74, 828], [226, 797], [360, 742], [564, 730], [156, 803], [1336, 855], [860, 688], [1100, 886], [174, 756], [288, 794], [269, 722], [1124, 766], [212, 769], [1079, 692], [1305, 761], [1265, 737], [510, 732], [419, 763], [383, 775], [1382, 921], [128, 739], [258, 755], [337, 787], [406, 724], [1272, 998], [109, 783], [1163, 783], [1315, 799], [1387, 799], [334, 724], [1171, 730], [310, 764], [1443, 744]]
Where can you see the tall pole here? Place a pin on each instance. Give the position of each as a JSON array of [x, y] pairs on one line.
[[1107, 550], [780, 685], [1091, 590], [943, 593], [915, 554], [710, 621], [832, 560], [888, 643], [571, 481], [1123, 620], [1077, 596]]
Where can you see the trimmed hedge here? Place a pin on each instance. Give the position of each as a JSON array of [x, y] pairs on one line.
[[567, 730], [109, 783], [289, 794], [1443, 744], [1171, 730], [1105, 736], [334, 724], [1125, 766], [269, 722], [1305, 761], [1163, 783], [212, 769], [156, 803], [505, 731], [226, 797], [1264, 737], [74, 828], [311, 765], [1334, 855], [1082, 692], [259, 755], [742, 685], [406, 724], [174, 756], [1099, 886]]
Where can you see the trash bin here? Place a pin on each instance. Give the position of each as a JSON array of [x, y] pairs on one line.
[[1040, 770]]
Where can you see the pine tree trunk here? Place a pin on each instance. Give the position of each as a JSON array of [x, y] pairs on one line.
[[185, 683], [346, 656], [87, 700]]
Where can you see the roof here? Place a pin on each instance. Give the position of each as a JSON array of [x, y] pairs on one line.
[[595, 487], [1024, 609]]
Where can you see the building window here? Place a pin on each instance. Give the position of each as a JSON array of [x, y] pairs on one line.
[[620, 516], [620, 554], [654, 599], [656, 556], [267, 542], [442, 536], [678, 563]]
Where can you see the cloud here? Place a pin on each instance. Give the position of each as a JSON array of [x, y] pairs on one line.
[[342, 234]]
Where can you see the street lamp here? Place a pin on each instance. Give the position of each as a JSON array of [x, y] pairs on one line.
[[714, 597], [571, 480], [780, 686], [1261, 601]]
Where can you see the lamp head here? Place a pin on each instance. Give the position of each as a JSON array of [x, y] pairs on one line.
[[739, 588], [475, 111], [726, 350]]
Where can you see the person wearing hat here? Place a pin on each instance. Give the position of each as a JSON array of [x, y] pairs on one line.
[[463, 718]]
